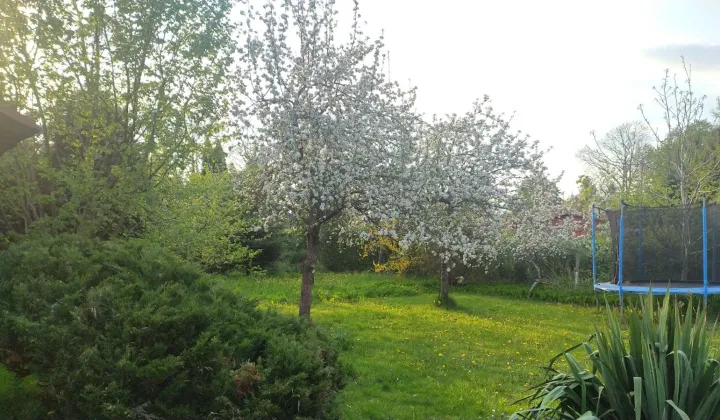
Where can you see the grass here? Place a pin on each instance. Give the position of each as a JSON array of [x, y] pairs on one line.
[[416, 361]]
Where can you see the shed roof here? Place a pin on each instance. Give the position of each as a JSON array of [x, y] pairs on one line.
[[14, 127]]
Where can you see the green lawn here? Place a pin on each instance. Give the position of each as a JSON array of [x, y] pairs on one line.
[[416, 361]]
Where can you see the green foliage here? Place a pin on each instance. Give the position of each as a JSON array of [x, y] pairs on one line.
[[279, 251], [123, 329], [586, 195], [203, 220], [557, 292], [214, 158], [121, 108], [19, 399], [663, 370], [337, 256], [703, 140]]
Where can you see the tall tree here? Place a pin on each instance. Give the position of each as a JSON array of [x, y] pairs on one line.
[[214, 157], [687, 159], [464, 171], [329, 132], [587, 194], [125, 90], [618, 160]]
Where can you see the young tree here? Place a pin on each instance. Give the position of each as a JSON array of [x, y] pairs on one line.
[[329, 133], [463, 173], [202, 219], [618, 160], [586, 195], [686, 159], [540, 228]]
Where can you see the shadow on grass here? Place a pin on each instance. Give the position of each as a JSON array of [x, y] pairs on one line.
[[451, 305]]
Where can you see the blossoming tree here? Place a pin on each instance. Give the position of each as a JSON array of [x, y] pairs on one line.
[[328, 130], [465, 168], [539, 231]]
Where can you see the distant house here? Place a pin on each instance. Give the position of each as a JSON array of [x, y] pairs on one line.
[[580, 221]]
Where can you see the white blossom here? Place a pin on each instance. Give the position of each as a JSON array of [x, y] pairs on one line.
[[539, 227], [327, 130], [458, 187]]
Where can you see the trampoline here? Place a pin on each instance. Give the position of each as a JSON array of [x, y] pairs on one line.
[[660, 250]]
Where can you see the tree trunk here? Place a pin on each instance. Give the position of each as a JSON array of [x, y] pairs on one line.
[[538, 279], [444, 286], [686, 243], [308, 270]]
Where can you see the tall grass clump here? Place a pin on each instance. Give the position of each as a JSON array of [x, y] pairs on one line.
[[660, 367]]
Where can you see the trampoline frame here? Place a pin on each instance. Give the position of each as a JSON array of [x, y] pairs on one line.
[[621, 289]]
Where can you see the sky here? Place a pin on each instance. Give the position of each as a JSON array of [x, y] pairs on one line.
[[563, 67]]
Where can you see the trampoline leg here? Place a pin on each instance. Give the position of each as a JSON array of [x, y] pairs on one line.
[[622, 306]]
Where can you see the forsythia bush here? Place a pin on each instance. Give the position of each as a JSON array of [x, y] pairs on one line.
[[122, 329]]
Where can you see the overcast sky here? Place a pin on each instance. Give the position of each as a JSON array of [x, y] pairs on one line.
[[564, 67]]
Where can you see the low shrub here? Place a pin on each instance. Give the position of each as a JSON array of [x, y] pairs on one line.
[[19, 399], [122, 329], [662, 370]]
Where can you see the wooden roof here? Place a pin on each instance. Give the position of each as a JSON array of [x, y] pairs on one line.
[[14, 127]]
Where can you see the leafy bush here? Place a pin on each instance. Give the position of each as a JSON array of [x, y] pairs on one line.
[[558, 292], [663, 371], [122, 329], [19, 399], [337, 257], [203, 220], [278, 251]]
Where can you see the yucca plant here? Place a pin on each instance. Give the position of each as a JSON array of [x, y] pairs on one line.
[[662, 370]]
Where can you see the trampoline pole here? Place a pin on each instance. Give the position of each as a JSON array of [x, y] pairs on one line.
[[594, 256], [594, 248], [620, 256], [714, 244], [641, 274], [705, 252]]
